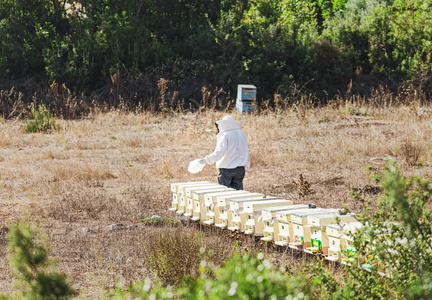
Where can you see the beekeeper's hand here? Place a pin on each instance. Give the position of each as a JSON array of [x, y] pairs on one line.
[[202, 161]]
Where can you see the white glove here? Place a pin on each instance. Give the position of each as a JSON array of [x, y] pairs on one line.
[[202, 161]]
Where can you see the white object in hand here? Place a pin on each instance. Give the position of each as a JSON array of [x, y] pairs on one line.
[[196, 165]]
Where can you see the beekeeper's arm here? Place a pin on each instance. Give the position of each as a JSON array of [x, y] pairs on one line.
[[247, 166], [221, 146]]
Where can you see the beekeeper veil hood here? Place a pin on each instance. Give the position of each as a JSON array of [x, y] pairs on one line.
[[228, 123]]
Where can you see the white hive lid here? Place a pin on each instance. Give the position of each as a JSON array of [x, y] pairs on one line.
[[252, 199], [258, 205]]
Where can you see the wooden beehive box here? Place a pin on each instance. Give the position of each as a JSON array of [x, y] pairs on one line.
[[370, 261], [190, 201], [271, 227], [285, 225], [181, 207], [199, 198], [237, 220], [253, 211], [176, 193], [300, 237], [283, 222], [348, 252], [210, 201], [222, 207], [334, 233], [319, 240]]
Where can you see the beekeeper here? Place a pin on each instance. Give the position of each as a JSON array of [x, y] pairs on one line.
[[231, 154]]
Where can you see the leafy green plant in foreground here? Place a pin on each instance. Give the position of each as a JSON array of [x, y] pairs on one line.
[[396, 238], [400, 231], [40, 120], [29, 259], [241, 277]]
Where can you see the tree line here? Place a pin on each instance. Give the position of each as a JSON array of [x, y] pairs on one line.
[[122, 48]]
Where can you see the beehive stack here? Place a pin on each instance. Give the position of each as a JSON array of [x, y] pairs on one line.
[[298, 226], [236, 217]]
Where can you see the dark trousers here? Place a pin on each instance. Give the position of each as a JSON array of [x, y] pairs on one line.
[[232, 178]]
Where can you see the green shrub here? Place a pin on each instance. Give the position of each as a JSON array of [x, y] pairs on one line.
[[395, 238], [28, 257], [40, 120], [157, 220], [241, 277], [355, 111], [404, 222]]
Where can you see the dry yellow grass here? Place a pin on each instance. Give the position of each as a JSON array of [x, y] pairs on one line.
[[117, 168]]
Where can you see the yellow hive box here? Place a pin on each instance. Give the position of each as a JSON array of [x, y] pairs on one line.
[[253, 210], [222, 207], [190, 202], [283, 222], [210, 201], [334, 233], [176, 193], [199, 198], [271, 227], [181, 207], [237, 220], [319, 240], [299, 237], [348, 252]]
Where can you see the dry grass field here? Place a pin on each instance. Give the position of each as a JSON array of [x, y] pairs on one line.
[[116, 169]]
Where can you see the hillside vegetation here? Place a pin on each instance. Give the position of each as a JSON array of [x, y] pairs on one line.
[[156, 53]]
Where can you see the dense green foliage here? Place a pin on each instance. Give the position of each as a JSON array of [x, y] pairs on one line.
[[28, 257], [121, 48]]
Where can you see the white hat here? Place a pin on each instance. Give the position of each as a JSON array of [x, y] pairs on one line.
[[228, 118], [228, 123]]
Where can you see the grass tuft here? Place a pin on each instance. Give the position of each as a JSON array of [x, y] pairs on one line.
[[40, 120]]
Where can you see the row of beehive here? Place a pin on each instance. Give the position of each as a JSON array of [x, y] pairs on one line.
[[299, 226]]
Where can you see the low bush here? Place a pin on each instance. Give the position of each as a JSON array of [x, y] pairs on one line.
[[40, 120], [160, 221], [411, 152], [173, 254]]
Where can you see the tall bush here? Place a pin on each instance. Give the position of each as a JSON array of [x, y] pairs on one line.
[[28, 256], [396, 239]]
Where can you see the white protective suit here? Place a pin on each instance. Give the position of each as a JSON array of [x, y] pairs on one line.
[[231, 148]]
